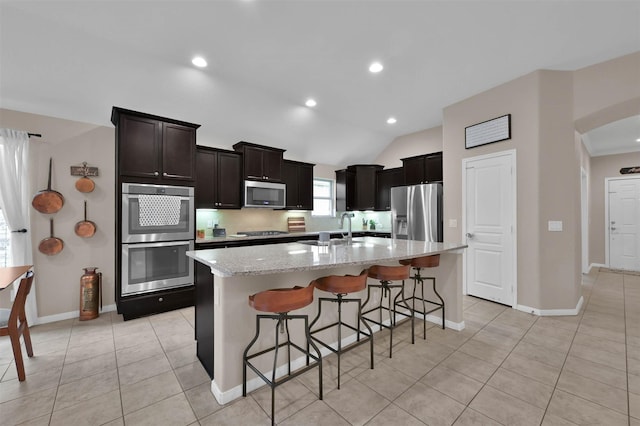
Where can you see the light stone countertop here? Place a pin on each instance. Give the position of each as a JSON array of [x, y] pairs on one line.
[[290, 257]]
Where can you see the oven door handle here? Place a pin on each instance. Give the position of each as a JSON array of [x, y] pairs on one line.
[[137, 196], [159, 244]]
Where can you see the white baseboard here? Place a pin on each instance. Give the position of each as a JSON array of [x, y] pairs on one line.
[[67, 315], [552, 312], [596, 265]]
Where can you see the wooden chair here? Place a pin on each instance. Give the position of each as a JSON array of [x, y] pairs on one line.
[[13, 323]]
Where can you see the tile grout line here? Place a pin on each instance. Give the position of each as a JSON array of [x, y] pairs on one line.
[[499, 366]]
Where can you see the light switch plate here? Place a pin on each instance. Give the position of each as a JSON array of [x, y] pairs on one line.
[[555, 225], [453, 223]]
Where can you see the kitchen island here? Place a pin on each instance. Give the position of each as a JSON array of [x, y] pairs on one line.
[[225, 323]]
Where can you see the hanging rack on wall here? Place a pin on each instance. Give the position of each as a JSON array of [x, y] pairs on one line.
[[34, 135]]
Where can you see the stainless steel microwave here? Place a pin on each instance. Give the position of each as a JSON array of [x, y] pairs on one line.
[[264, 194]]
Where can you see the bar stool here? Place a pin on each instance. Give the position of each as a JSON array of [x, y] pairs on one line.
[[417, 264], [341, 286], [280, 302], [386, 275]]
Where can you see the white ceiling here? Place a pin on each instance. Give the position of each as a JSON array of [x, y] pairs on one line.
[[77, 59]]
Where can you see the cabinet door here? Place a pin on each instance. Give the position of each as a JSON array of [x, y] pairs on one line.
[[253, 163], [387, 179], [139, 146], [365, 188], [205, 191], [413, 170], [433, 168], [305, 187], [290, 178], [272, 165], [229, 180], [178, 152], [345, 190]]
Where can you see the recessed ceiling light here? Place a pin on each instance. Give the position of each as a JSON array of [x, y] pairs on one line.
[[376, 67], [310, 103], [391, 120], [199, 62], [638, 140]]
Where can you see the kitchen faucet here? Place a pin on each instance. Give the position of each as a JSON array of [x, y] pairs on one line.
[[348, 216]]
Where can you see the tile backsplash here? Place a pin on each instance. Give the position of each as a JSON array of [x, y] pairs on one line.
[[248, 219]]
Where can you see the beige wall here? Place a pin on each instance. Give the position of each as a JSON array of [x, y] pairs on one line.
[[520, 98], [601, 168], [418, 143], [560, 252], [70, 143], [607, 92], [604, 93]]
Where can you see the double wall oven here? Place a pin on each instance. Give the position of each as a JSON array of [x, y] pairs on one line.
[[157, 231]]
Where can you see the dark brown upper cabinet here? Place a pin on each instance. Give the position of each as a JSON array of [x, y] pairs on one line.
[[152, 149], [299, 180], [260, 162], [385, 180], [356, 187], [218, 179], [422, 169]]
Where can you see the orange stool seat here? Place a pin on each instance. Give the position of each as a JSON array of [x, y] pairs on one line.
[[386, 275], [341, 286], [282, 299], [418, 263]]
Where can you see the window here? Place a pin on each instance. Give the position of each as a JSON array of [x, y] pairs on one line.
[[323, 197], [4, 241]]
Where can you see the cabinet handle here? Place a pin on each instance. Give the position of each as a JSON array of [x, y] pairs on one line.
[[156, 173], [165, 174], [160, 299]]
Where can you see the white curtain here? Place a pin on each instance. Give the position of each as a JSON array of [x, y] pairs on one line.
[[15, 201]]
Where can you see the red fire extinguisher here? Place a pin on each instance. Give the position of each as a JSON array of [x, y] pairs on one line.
[[90, 293]]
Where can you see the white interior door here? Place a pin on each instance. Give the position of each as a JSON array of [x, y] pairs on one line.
[[624, 224], [489, 227]]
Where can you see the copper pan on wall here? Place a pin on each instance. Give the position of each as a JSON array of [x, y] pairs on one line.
[[85, 228], [51, 245], [48, 201]]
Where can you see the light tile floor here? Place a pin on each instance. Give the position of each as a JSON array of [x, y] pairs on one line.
[[506, 367]]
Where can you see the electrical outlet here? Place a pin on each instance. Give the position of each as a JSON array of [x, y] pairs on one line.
[[210, 223]]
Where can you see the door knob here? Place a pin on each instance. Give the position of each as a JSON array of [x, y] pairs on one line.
[[469, 235]]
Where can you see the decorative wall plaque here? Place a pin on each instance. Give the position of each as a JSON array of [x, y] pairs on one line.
[[629, 170], [84, 170], [490, 131]]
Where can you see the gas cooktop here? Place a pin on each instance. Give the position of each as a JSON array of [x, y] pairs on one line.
[[261, 233]]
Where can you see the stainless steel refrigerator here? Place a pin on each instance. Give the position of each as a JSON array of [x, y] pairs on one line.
[[416, 212]]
